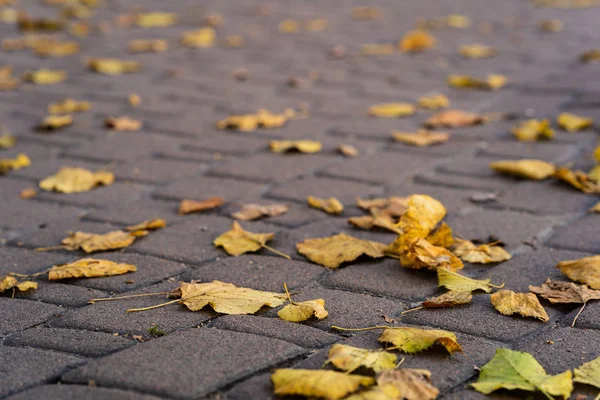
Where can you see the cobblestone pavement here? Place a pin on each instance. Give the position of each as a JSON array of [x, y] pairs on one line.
[[54, 345]]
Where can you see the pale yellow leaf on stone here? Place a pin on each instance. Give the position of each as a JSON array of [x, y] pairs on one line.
[[492, 82], [507, 302], [303, 310], [92, 242], [7, 141], [9, 164], [588, 373], [89, 268], [45, 76], [584, 270], [156, 19], [330, 205], [329, 385], [434, 102], [480, 254], [333, 251], [533, 130], [410, 384], [392, 110], [251, 212], [416, 41], [454, 119], [574, 123], [413, 340], [199, 38], [349, 359], [54, 122], [68, 106], [76, 180], [476, 51], [113, 66], [9, 282], [525, 168], [459, 283], [421, 138], [122, 124], [348, 150], [150, 225], [578, 180], [302, 146]]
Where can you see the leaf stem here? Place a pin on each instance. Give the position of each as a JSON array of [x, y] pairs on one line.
[[577, 316], [412, 309], [279, 253], [30, 275], [496, 286], [61, 247], [153, 307], [92, 301]]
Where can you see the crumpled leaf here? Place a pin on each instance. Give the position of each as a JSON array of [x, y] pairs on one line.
[[199, 38], [76, 180], [413, 340], [156, 19], [454, 119], [113, 66], [150, 225], [9, 164], [349, 359], [533, 130], [53, 48], [330, 385], [565, 292], [492, 82], [585, 270], [348, 150], [122, 124], [508, 302], [7, 141], [192, 206], [302, 146], [68, 106], [394, 205], [54, 122], [456, 282], [261, 119], [378, 218], [147, 46], [448, 299], [442, 236], [421, 138], [512, 370], [577, 179], [332, 251], [29, 24], [89, 268], [407, 383], [480, 254], [237, 241], [525, 168], [416, 42], [476, 51], [251, 212], [301, 311], [434, 102], [10, 282], [573, 123], [422, 254], [330, 205], [28, 193], [92, 242], [392, 110], [590, 56], [588, 373], [44, 76]]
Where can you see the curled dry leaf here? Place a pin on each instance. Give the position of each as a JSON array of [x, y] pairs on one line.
[[595, 208], [349, 359], [422, 254], [9, 164], [422, 138], [413, 340], [577, 179], [68, 106], [199, 38], [565, 292], [574, 123], [330, 385], [89, 268], [585, 270], [76, 180], [330, 205], [237, 241], [54, 122], [122, 124], [476, 51], [525, 168], [150, 225], [449, 299], [378, 218], [44, 76], [533, 130], [332, 251], [7, 141], [147, 46], [251, 212], [348, 150], [459, 283], [113, 66], [492, 82], [92, 242], [480, 254], [454, 119], [588, 373], [10, 282], [192, 206], [507, 302], [156, 19], [301, 311], [512, 370], [392, 110], [434, 102], [301, 146], [441, 237], [407, 383], [261, 119], [416, 41]]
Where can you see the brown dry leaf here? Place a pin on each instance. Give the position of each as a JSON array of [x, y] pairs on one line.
[[577, 179], [261, 119], [68, 106], [7, 141], [565, 292], [301, 146], [28, 24], [434, 102], [76, 180], [413, 340], [89, 268], [476, 51], [456, 282], [508, 302], [123, 124], [394, 205], [574, 123], [134, 100], [366, 13], [480, 254], [449, 299], [454, 119], [392, 110], [9, 282], [330, 205], [377, 49], [590, 56], [492, 82], [199, 38], [54, 122], [113, 66], [191, 206], [28, 193], [7, 80], [251, 212], [422, 254], [525, 168], [237, 241], [407, 383], [422, 138], [533, 130], [551, 25], [329, 385], [51, 48], [416, 42], [585, 270], [150, 225], [349, 359], [301, 311], [378, 218], [44, 76], [147, 46], [92, 242], [9, 164], [332, 251], [156, 19], [348, 150]]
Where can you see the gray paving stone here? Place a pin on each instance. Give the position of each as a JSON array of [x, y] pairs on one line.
[[65, 295], [551, 152], [18, 214], [259, 386], [17, 314], [344, 191], [201, 188], [581, 235], [101, 197], [156, 170], [136, 211], [225, 357], [76, 392], [26, 261]]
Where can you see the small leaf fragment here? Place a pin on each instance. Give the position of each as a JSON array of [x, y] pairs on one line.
[[28, 193], [301, 146], [52, 48], [89, 268], [454, 281], [192, 206], [454, 119], [377, 49], [551, 25], [251, 212], [332, 251], [595, 208], [525, 168], [590, 56], [329, 385], [156, 19], [416, 41], [10, 282], [113, 66], [408, 383], [476, 51], [421, 138], [378, 218], [150, 225], [76, 180], [7, 141], [54, 122], [565, 292], [261, 119], [507, 302], [392, 110], [199, 38], [122, 124], [434, 102], [533, 130], [448, 299], [588, 373], [330, 205], [413, 340], [147, 46], [577, 179], [574, 123], [9, 164], [68, 106], [303, 310], [492, 82], [45, 76], [348, 150], [584, 270], [349, 359], [480, 254]]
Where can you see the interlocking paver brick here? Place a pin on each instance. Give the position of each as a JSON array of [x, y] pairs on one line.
[[19, 214], [60, 294], [203, 187], [156, 170], [17, 314], [344, 191], [581, 235], [76, 392], [136, 211]]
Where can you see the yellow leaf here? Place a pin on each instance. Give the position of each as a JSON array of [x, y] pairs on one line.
[[480, 254], [7, 141], [7, 80], [456, 282], [9, 164], [392, 110], [301, 311], [10, 282], [332, 251], [329, 385], [376, 49], [89, 268], [551, 25], [92, 242], [394, 205], [585, 270], [122, 124], [476, 51], [134, 100], [597, 154], [533, 130], [454, 119], [595, 208], [409, 384], [378, 218], [525, 168], [508, 302], [492, 82], [302, 146], [192, 206], [68, 106], [289, 26], [590, 56], [434, 102], [113, 66], [28, 193], [594, 174], [448, 299], [147, 46], [54, 122], [150, 225], [574, 123], [349, 359], [156, 19], [330, 205], [251, 212], [577, 179], [518, 370], [387, 392], [237, 241], [413, 340], [442, 236], [458, 21], [250, 122], [422, 254], [76, 180], [422, 138], [416, 42], [51, 48], [45, 76], [588, 373], [200, 38], [348, 150]]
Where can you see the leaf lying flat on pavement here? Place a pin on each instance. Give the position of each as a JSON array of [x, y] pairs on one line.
[[348, 358], [533, 130], [585, 270], [250, 212], [92, 242], [9, 164], [89, 268], [508, 302], [525, 168], [413, 340], [422, 254], [454, 119], [76, 180], [191, 206], [10, 282], [122, 124], [303, 310], [330, 385], [460, 283], [421, 138], [392, 110], [333, 251], [480, 254], [237, 241], [574, 123], [566, 292]]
